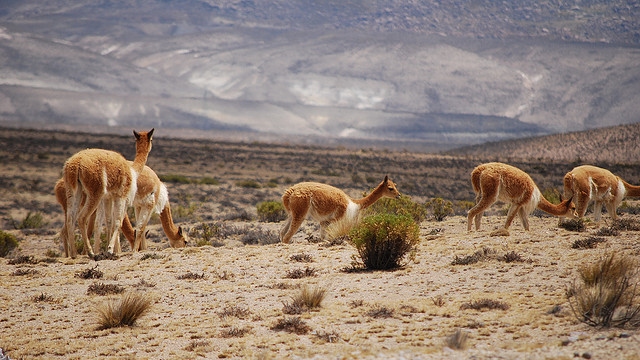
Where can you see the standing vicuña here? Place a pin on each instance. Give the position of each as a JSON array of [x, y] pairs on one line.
[[151, 196], [494, 182], [95, 176], [590, 183], [326, 204]]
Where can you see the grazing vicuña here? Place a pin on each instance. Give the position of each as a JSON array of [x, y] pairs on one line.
[[326, 204]]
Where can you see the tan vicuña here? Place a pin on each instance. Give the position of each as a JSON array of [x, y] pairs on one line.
[[326, 204], [588, 183], [96, 178], [495, 181]]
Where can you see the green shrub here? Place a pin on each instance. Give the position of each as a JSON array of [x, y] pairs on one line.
[[31, 221], [401, 206], [271, 211], [8, 242], [440, 208], [208, 181], [382, 240]]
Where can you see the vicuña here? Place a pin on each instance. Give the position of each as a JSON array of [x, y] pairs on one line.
[[93, 176], [494, 182], [588, 183], [326, 204], [151, 197]]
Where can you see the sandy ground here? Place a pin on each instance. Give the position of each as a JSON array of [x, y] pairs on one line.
[[188, 319]]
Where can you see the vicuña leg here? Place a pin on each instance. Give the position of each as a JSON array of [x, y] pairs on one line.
[[487, 198]]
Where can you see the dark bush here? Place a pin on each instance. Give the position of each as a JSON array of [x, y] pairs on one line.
[[271, 211], [8, 242]]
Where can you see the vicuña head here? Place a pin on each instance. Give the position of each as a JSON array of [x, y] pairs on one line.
[[326, 204], [98, 177], [590, 183], [494, 182]]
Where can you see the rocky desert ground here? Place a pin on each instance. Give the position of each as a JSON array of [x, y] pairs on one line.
[[228, 294]]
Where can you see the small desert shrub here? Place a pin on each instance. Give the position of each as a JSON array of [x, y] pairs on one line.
[[22, 272], [300, 273], [91, 273], [248, 184], [302, 257], [124, 312], [31, 221], [480, 255], [512, 256], [383, 240], [199, 346], [440, 208], [144, 283], [553, 195], [462, 207], [52, 254], [401, 206], [337, 231], [485, 304], [457, 340], [104, 289], [234, 331], [206, 235], [260, 236], [8, 242], [292, 324], [626, 225], [438, 301], [151, 255], [577, 225], [607, 231], [235, 311], [271, 211], [607, 294], [191, 276], [43, 298], [380, 312], [328, 337], [23, 259], [182, 212], [588, 243]]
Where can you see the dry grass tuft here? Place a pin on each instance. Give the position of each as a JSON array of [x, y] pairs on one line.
[[482, 304], [607, 295], [626, 225], [151, 255], [306, 300], [512, 256], [124, 312], [23, 259], [457, 340], [199, 347], [292, 324]]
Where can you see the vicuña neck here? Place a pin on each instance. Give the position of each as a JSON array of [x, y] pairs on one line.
[[368, 200], [546, 206], [167, 223]]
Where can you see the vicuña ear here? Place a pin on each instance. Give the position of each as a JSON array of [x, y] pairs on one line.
[[136, 135], [386, 178], [180, 230], [151, 133]]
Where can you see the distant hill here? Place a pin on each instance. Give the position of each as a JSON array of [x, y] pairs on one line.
[[432, 74], [612, 145]]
